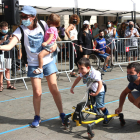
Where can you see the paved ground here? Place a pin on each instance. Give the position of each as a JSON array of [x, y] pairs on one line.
[[17, 112]]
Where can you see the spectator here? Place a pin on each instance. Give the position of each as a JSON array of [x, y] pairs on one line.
[[121, 31], [132, 33], [115, 23], [110, 33], [72, 33], [100, 44], [62, 32], [5, 36], [85, 40], [91, 28], [95, 31]]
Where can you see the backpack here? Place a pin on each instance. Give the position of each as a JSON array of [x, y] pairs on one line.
[[24, 57]]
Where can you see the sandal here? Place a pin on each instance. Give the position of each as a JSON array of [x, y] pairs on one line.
[[11, 87], [1, 88], [38, 71]]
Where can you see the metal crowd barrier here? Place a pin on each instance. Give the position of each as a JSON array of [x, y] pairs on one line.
[[19, 70], [126, 50]]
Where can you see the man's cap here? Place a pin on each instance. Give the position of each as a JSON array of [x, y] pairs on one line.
[[86, 22], [29, 10]]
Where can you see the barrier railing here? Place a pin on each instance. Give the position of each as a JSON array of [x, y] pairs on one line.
[[19, 70], [126, 50]]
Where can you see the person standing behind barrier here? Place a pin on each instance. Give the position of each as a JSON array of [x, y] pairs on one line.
[[62, 32], [110, 33], [100, 44], [132, 32], [133, 76], [95, 31], [33, 36], [85, 40], [121, 31], [49, 40], [5, 37], [91, 28], [72, 33]]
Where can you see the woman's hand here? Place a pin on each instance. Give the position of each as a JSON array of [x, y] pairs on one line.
[[53, 48], [81, 49], [72, 38]]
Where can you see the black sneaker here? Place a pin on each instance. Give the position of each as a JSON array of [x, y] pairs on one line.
[[107, 121]]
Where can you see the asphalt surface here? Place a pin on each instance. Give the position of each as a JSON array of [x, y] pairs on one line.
[[17, 112]]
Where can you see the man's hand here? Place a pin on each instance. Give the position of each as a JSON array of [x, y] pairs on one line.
[[44, 44], [102, 52], [71, 90], [5, 37], [118, 110]]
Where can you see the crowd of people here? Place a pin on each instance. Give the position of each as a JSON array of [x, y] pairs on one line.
[[38, 49]]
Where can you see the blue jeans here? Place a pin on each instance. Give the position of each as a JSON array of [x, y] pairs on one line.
[[99, 100]]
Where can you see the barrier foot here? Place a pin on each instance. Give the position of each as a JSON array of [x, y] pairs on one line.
[[25, 84], [121, 68], [68, 76]]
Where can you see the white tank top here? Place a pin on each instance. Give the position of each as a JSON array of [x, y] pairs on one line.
[[73, 33]]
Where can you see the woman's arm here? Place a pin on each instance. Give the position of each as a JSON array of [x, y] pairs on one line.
[[10, 45], [114, 32], [69, 29]]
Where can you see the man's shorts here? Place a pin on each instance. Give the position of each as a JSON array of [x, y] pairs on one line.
[[48, 69], [7, 63], [99, 100], [135, 94], [105, 55]]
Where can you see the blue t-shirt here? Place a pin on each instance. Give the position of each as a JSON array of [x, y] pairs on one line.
[[101, 44], [132, 86]]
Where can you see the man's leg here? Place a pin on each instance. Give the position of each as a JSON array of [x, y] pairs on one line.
[[133, 96]]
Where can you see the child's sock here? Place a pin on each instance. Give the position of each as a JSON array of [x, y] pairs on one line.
[[105, 112]]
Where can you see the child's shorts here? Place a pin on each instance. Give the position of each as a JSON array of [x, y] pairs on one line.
[[48, 46], [99, 100]]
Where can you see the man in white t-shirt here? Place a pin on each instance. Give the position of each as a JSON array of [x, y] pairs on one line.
[[96, 89]]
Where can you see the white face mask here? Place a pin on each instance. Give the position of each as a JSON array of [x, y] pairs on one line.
[[109, 25]]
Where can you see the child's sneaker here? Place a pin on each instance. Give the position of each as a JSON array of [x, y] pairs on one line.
[[62, 115], [36, 121], [107, 121]]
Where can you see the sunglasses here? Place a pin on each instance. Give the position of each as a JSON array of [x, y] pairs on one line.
[[25, 17]]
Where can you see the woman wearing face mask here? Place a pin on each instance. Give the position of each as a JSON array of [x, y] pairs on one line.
[[85, 40], [33, 38], [110, 33], [72, 33]]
